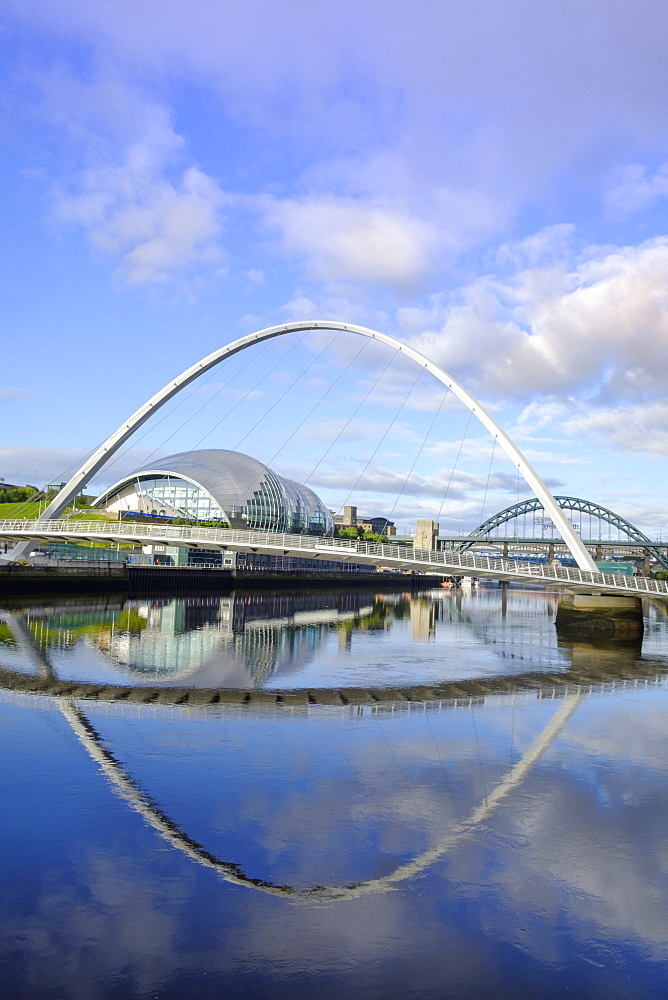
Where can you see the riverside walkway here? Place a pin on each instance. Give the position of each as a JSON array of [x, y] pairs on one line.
[[393, 557]]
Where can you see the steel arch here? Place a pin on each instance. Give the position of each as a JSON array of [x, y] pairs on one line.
[[102, 455], [533, 505]]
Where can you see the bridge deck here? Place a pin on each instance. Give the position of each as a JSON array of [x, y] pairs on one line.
[[337, 549]]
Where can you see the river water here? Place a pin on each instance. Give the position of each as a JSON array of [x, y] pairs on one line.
[[486, 815]]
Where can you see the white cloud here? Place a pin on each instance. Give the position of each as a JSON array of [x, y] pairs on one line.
[[401, 386], [541, 414], [649, 516], [400, 167], [10, 392], [222, 389], [455, 93], [540, 252], [627, 429], [600, 327], [301, 307], [39, 465], [383, 480], [543, 459], [132, 189], [27, 464], [341, 239], [635, 190], [343, 429]]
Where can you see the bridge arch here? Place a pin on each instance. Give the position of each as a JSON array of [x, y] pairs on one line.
[[109, 447], [533, 505], [128, 790]]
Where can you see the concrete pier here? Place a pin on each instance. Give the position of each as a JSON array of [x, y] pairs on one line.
[[606, 616]]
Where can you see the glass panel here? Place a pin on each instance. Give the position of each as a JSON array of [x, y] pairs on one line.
[[234, 488]]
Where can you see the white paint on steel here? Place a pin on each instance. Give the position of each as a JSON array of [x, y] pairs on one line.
[[100, 457]]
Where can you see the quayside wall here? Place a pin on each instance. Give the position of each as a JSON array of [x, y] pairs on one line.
[[139, 581]]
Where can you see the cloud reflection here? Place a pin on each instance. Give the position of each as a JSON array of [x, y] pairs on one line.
[[565, 875]]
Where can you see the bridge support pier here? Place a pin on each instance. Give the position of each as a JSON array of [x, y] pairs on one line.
[[608, 617]]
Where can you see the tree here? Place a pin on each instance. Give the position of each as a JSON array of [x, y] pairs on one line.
[[357, 532], [349, 532], [17, 494]]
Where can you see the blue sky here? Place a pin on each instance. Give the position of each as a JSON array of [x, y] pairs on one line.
[[488, 181]]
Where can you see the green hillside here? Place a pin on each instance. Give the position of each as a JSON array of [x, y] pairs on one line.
[[34, 509]]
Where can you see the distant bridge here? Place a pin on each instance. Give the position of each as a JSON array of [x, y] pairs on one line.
[[397, 557], [533, 506]]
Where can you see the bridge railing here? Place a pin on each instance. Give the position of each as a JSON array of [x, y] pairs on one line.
[[550, 573], [346, 550]]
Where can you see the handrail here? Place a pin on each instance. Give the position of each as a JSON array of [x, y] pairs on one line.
[[345, 550]]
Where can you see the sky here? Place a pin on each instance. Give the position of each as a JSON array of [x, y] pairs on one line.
[[487, 181]]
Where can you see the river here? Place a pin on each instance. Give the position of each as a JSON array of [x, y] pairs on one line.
[[332, 795]]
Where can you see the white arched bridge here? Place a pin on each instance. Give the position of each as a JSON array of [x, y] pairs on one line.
[[26, 534]]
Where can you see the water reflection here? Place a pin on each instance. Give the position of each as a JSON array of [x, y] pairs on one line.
[[235, 641], [124, 785], [523, 839], [310, 641], [496, 846]]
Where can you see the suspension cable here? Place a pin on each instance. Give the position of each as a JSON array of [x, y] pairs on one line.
[[67, 472], [316, 405], [252, 389], [252, 360], [424, 441], [289, 388], [387, 431], [452, 470], [489, 473], [41, 495], [349, 420], [192, 391]]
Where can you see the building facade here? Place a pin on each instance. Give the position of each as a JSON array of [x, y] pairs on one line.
[[223, 486], [351, 519]]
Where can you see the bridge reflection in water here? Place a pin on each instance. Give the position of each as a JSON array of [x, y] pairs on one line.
[[237, 641], [492, 638], [362, 841]]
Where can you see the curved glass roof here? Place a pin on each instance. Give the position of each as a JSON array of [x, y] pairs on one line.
[[250, 494]]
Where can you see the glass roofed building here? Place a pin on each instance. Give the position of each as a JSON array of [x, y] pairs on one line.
[[220, 485]]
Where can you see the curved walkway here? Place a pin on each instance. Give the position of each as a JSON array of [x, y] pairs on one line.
[[399, 557], [553, 684]]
